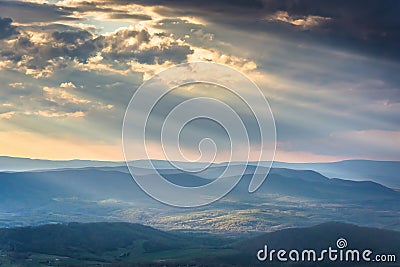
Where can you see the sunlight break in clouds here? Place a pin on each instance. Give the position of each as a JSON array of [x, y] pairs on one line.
[[303, 22]]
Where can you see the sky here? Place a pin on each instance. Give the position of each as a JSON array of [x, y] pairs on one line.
[[329, 69]]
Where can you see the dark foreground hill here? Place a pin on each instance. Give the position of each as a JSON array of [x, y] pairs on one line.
[[323, 236], [123, 244], [73, 239]]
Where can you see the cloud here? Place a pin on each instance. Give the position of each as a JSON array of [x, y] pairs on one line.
[[28, 12], [174, 53], [141, 46], [6, 29], [72, 37], [72, 67], [16, 85], [370, 27], [40, 54], [62, 96], [39, 51], [213, 55], [7, 115], [49, 114], [306, 22], [129, 16], [109, 10], [67, 85]]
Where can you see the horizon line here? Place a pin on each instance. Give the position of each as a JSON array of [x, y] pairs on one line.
[[193, 162]]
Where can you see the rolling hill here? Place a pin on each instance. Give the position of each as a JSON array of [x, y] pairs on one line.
[[123, 244], [321, 237]]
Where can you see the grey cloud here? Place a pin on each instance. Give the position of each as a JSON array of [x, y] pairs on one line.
[[129, 16], [25, 12], [116, 48], [6, 28], [175, 53], [58, 47], [34, 11], [72, 37], [40, 59], [219, 6], [77, 45], [370, 27]]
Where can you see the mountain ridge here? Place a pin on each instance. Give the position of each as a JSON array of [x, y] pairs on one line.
[[383, 172]]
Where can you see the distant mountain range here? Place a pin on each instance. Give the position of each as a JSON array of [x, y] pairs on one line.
[[382, 172], [287, 198], [123, 244], [27, 164], [107, 192], [98, 184]]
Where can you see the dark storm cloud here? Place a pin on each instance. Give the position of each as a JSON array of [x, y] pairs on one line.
[[6, 29], [174, 53], [72, 37], [368, 26], [208, 5], [79, 44], [24, 12]]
